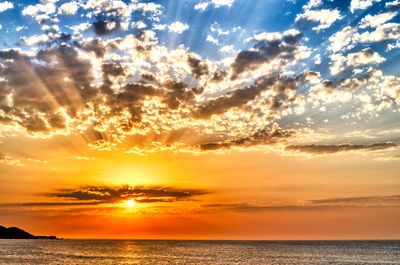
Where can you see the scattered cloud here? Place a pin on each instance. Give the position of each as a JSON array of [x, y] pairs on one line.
[[216, 3], [326, 17], [361, 4], [5, 5], [69, 8], [178, 27], [10, 161]]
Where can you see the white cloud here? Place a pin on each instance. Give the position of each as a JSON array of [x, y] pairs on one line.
[[337, 62], [393, 3], [268, 36], [312, 3], [5, 5], [34, 10], [366, 56], [217, 3], [393, 46], [201, 6], [212, 39], [342, 39], [138, 25], [159, 26], [69, 8], [376, 20], [178, 27], [326, 17], [391, 87], [80, 27], [33, 40], [383, 32], [226, 49], [148, 7], [361, 4]]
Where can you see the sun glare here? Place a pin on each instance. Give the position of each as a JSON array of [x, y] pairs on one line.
[[130, 203]]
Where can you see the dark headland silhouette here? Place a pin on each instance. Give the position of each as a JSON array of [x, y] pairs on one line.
[[17, 233]]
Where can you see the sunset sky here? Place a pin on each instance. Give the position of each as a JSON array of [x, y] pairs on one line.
[[208, 119]]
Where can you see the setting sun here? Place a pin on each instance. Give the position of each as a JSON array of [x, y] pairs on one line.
[[130, 203]]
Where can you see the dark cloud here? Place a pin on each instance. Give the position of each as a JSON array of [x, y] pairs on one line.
[[263, 137], [110, 194], [95, 46], [197, 67], [113, 69], [352, 84], [219, 75], [264, 51], [102, 27], [241, 96], [329, 149], [308, 76], [37, 85]]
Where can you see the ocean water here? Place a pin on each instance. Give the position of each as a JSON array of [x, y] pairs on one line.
[[69, 251]]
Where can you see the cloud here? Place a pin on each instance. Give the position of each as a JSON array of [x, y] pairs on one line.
[[391, 201], [361, 4], [267, 47], [267, 136], [178, 27], [365, 56], [10, 161], [35, 10], [343, 39], [239, 97], [5, 5], [312, 4], [376, 20], [197, 67], [116, 194], [114, 90], [36, 39], [383, 32], [326, 17], [330, 149], [367, 200], [69, 8], [33, 108], [103, 27], [217, 3]]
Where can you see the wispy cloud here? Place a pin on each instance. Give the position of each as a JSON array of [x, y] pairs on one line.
[[330, 149], [392, 201]]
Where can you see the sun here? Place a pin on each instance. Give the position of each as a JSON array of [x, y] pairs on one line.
[[130, 203]]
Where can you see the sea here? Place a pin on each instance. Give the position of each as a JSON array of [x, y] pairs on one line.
[[74, 251]]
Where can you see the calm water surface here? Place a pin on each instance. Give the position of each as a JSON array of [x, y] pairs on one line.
[[70, 251]]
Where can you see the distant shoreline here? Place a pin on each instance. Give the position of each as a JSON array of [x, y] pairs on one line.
[[17, 233]]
